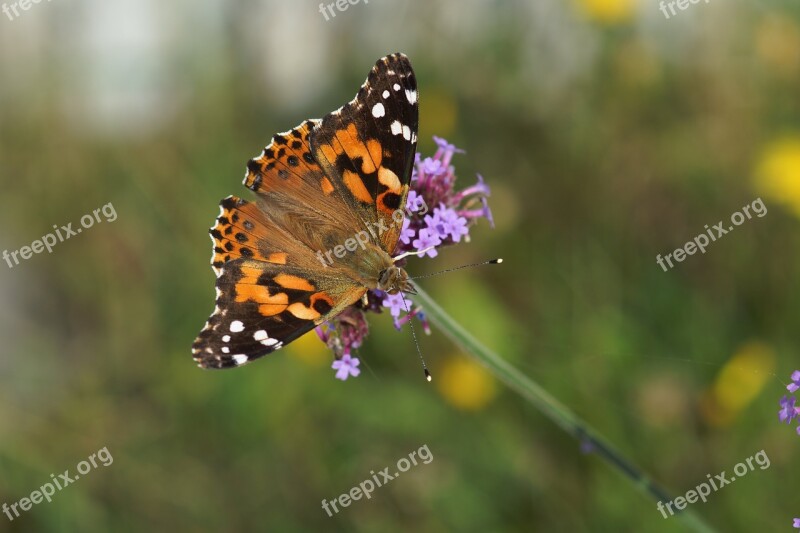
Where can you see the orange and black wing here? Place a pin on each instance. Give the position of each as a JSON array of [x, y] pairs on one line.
[[367, 146], [261, 307], [317, 185]]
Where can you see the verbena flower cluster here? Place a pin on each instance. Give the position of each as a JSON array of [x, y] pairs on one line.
[[789, 410], [453, 212]]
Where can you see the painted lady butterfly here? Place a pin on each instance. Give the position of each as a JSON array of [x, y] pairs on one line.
[[316, 185]]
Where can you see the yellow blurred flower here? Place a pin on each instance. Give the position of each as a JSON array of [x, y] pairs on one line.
[[310, 350], [777, 43], [777, 172], [465, 384], [608, 11], [738, 383]]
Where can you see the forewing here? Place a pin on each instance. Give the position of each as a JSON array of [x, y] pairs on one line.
[[367, 146]]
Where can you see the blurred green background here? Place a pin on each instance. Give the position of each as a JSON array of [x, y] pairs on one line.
[[608, 134]]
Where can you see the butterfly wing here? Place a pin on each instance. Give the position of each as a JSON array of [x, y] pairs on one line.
[[368, 145], [317, 185], [270, 288]]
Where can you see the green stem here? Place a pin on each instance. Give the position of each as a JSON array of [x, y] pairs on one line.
[[549, 406]]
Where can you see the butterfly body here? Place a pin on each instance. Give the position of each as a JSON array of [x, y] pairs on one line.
[[323, 227]]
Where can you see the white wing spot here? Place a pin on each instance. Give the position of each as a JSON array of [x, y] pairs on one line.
[[396, 86], [385, 94], [378, 110], [226, 338], [240, 358], [260, 335], [406, 133], [237, 326], [396, 128], [225, 349], [411, 96], [269, 342]]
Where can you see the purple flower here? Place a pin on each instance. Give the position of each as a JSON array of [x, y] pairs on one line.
[[416, 312], [395, 304], [346, 366], [788, 410], [406, 234], [436, 224], [432, 167], [447, 224], [415, 201], [446, 150], [795, 384], [427, 240], [796, 523]]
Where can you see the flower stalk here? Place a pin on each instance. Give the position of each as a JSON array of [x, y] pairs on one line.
[[543, 401]]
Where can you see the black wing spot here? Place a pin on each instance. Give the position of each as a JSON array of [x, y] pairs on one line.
[[322, 307], [391, 200]]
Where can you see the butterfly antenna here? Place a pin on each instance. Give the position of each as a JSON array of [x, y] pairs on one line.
[[414, 335], [490, 262]]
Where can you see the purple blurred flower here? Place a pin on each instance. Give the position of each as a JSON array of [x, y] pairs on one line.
[[795, 384], [346, 366], [788, 410], [796, 523]]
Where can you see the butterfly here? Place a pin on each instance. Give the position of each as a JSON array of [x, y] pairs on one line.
[[318, 187]]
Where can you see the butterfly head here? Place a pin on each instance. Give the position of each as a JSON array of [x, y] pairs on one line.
[[394, 279]]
